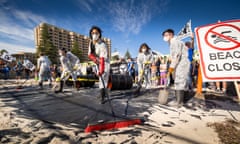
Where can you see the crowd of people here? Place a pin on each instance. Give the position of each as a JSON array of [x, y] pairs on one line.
[[158, 70], [179, 69], [16, 69]]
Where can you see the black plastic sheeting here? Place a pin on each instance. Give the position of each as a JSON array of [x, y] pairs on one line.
[[77, 108]]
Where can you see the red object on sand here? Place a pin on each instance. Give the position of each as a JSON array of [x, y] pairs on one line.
[[112, 125]]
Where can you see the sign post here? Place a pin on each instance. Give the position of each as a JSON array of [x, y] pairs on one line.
[[237, 89]]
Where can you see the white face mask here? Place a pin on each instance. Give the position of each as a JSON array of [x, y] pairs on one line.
[[144, 50], [166, 38], [95, 37]]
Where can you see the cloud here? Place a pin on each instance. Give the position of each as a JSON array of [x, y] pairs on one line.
[[29, 18], [131, 16], [127, 16], [3, 2], [86, 5], [14, 37], [15, 48], [19, 23], [16, 27], [11, 30]]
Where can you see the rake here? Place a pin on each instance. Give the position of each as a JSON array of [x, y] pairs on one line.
[[115, 124]]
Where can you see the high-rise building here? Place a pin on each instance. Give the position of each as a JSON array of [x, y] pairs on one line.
[[62, 38]]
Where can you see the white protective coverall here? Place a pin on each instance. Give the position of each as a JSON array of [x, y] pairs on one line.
[[144, 61], [180, 63], [43, 64], [101, 52], [69, 63]]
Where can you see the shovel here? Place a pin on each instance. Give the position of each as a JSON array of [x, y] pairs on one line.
[[164, 92]]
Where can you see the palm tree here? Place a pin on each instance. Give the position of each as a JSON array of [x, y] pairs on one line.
[[3, 51]]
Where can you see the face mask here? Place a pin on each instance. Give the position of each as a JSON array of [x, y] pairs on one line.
[[60, 54], [144, 50], [95, 37], [166, 38]]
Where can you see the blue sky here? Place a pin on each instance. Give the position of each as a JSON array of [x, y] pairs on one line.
[[128, 23]]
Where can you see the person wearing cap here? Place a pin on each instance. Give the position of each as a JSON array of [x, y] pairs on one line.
[[70, 63], [180, 65], [43, 68], [98, 53]]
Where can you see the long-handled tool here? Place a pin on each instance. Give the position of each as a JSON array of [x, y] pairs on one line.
[[107, 95], [115, 124], [140, 82], [164, 93]]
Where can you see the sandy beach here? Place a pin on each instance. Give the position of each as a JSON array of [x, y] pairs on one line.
[[163, 124]]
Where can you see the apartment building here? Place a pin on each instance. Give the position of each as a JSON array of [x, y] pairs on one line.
[[62, 38]]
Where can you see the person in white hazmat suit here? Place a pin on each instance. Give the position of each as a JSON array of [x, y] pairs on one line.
[[43, 68], [98, 53], [70, 64], [179, 65], [144, 61]]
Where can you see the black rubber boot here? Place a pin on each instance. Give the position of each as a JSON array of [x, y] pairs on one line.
[[50, 85], [40, 84], [75, 86], [180, 97], [186, 96], [137, 91], [106, 93], [60, 89], [61, 86], [101, 97]]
